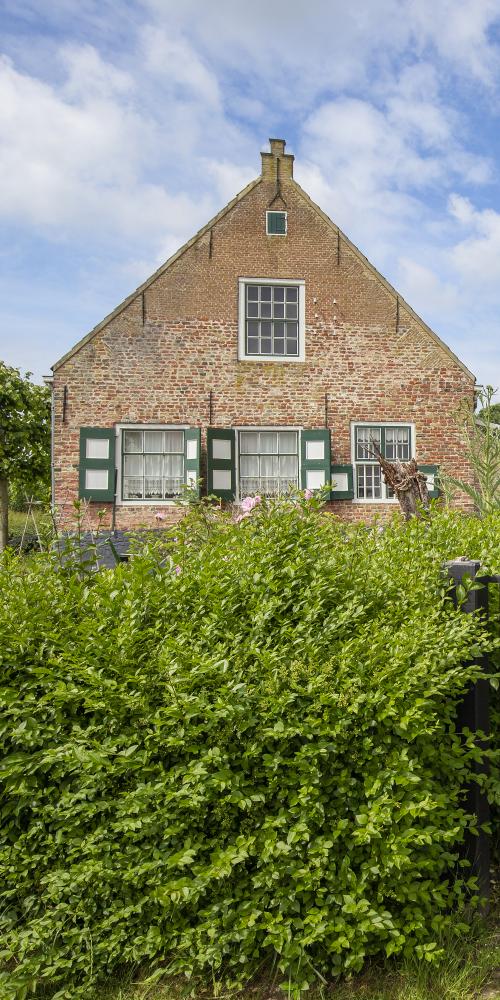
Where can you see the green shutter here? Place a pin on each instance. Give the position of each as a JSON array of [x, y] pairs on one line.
[[221, 463], [192, 454], [315, 459], [276, 223], [342, 480], [432, 486], [97, 459]]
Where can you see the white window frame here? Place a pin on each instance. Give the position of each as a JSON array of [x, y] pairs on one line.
[[298, 430], [355, 462], [277, 211], [301, 312], [118, 453]]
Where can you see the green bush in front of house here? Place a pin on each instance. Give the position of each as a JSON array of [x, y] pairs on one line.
[[242, 752]]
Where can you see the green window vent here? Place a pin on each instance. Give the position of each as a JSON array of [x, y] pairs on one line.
[[276, 223]]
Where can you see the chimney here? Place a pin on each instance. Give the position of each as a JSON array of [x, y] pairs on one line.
[[277, 166]]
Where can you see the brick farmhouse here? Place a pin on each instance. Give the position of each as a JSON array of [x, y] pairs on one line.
[[266, 353]]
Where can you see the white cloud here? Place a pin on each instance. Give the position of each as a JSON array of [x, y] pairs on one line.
[[228, 178], [405, 142], [460, 32], [476, 257], [374, 168], [77, 158], [176, 62], [285, 52], [420, 283], [461, 209], [88, 76], [294, 51], [149, 116]]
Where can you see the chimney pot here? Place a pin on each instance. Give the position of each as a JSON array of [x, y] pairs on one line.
[[277, 147]]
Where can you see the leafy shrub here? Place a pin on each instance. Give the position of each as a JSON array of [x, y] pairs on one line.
[[20, 495], [24, 543], [241, 752], [482, 449]]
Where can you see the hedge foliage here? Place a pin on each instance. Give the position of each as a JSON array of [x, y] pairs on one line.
[[244, 752]]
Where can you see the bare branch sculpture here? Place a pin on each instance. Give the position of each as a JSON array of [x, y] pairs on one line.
[[409, 485]]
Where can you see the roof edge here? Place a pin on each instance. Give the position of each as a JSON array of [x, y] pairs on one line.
[[156, 274], [390, 288], [216, 218]]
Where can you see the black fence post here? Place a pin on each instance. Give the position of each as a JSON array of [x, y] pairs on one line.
[[474, 714]]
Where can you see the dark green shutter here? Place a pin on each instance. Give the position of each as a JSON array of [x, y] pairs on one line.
[[311, 442], [338, 492], [223, 485], [192, 453], [106, 489], [432, 470], [276, 223]]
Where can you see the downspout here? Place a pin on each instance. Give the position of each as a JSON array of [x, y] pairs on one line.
[[49, 380]]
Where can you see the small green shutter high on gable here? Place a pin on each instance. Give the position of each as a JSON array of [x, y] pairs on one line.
[[97, 463], [432, 473], [192, 455], [221, 462], [276, 223], [342, 480], [315, 459]]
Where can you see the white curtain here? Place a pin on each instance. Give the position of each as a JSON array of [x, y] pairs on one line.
[[174, 442]]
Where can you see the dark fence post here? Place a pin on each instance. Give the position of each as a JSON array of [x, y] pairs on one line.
[[474, 714]]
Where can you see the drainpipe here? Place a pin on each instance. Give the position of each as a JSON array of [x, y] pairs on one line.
[[49, 380]]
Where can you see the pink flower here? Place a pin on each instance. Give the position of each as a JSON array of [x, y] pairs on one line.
[[308, 494], [177, 570], [249, 503], [159, 516], [241, 517]]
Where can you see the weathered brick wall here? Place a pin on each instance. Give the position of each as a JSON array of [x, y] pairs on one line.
[[373, 359]]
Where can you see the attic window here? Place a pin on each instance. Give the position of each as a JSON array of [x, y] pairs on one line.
[[271, 319], [276, 223]]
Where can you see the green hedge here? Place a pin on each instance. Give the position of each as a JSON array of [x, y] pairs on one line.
[[242, 753]]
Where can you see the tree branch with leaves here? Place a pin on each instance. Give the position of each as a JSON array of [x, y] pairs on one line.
[[482, 449], [24, 437]]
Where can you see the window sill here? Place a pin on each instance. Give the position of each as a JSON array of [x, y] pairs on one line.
[[391, 501], [271, 358], [146, 503]]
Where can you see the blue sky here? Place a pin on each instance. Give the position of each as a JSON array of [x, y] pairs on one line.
[[125, 126]]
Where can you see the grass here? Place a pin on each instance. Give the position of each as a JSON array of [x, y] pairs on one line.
[[468, 966]]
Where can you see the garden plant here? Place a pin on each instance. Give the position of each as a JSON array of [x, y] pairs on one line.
[[237, 751], [24, 441]]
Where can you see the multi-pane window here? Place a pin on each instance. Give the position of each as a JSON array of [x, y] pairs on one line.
[[394, 443], [152, 464], [272, 320], [397, 444], [268, 461]]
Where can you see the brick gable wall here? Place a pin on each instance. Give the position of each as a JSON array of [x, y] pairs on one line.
[[371, 357]]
